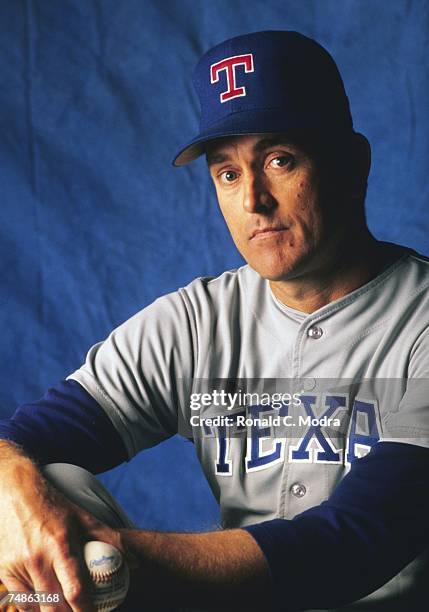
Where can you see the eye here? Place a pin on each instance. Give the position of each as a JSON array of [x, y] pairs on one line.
[[280, 161], [228, 176]]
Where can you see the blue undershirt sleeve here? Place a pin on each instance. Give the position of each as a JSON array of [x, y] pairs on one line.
[[373, 525], [66, 425]]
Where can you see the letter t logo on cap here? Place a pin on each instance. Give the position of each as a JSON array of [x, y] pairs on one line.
[[229, 64]]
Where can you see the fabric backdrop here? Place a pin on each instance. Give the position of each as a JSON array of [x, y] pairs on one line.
[[95, 99]]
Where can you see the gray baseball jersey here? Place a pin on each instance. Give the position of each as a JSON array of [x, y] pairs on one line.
[[151, 373]]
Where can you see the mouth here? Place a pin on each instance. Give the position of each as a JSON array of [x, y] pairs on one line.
[[267, 232]]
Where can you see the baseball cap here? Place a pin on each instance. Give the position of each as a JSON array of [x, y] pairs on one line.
[[263, 82]]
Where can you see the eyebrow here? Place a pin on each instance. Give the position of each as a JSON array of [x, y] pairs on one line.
[[261, 145], [216, 158]]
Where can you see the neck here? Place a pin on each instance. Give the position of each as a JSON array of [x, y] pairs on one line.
[[349, 267]]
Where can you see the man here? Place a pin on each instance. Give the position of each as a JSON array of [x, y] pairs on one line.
[[317, 513]]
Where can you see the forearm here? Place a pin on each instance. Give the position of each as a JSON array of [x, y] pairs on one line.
[[22, 485], [367, 521], [15, 467], [223, 569], [361, 537], [42, 533]]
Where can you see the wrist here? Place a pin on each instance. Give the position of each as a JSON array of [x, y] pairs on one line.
[[126, 545]]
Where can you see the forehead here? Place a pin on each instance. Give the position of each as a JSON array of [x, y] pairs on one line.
[[220, 149]]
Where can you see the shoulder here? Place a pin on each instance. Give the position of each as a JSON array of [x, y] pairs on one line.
[[228, 281], [202, 302], [419, 263], [414, 275], [408, 275], [229, 289]]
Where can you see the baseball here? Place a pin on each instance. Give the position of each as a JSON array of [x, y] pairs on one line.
[[109, 573]]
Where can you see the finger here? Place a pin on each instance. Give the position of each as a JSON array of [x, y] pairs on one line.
[[13, 585], [75, 584], [85, 518], [51, 595], [94, 528]]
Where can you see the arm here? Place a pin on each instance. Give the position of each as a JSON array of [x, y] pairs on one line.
[[66, 425], [109, 403], [221, 570], [360, 538], [42, 533]]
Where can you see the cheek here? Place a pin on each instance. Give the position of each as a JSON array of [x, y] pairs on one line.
[[301, 196], [233, 219], [238, 232], [306, 210]]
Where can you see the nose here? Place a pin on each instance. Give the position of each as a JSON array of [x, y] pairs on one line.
[[257, 196]]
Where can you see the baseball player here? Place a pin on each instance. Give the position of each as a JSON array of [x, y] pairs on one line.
[[300, 377]]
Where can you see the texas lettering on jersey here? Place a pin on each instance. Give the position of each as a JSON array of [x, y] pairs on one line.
[[327, 430]]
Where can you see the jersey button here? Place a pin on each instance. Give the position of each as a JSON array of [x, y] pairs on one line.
[[298, 489], [315, 332], [308, 384]]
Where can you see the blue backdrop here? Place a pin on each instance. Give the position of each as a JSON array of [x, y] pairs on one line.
[[95, 99]]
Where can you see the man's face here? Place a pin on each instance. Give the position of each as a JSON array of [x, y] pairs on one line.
[[270, 195]]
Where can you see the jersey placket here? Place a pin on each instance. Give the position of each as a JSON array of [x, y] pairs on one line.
[[305, 484]]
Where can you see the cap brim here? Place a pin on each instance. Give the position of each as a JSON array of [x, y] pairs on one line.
[[261, 121]]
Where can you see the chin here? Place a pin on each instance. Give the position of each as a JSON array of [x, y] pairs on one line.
[[275, 272]]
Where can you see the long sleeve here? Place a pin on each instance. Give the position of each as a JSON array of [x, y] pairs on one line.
[[66, 425], [373, 525]]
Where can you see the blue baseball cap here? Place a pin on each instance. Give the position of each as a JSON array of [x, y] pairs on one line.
[[265, 82]]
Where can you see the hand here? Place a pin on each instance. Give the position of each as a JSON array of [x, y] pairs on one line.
[[42, 535]]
